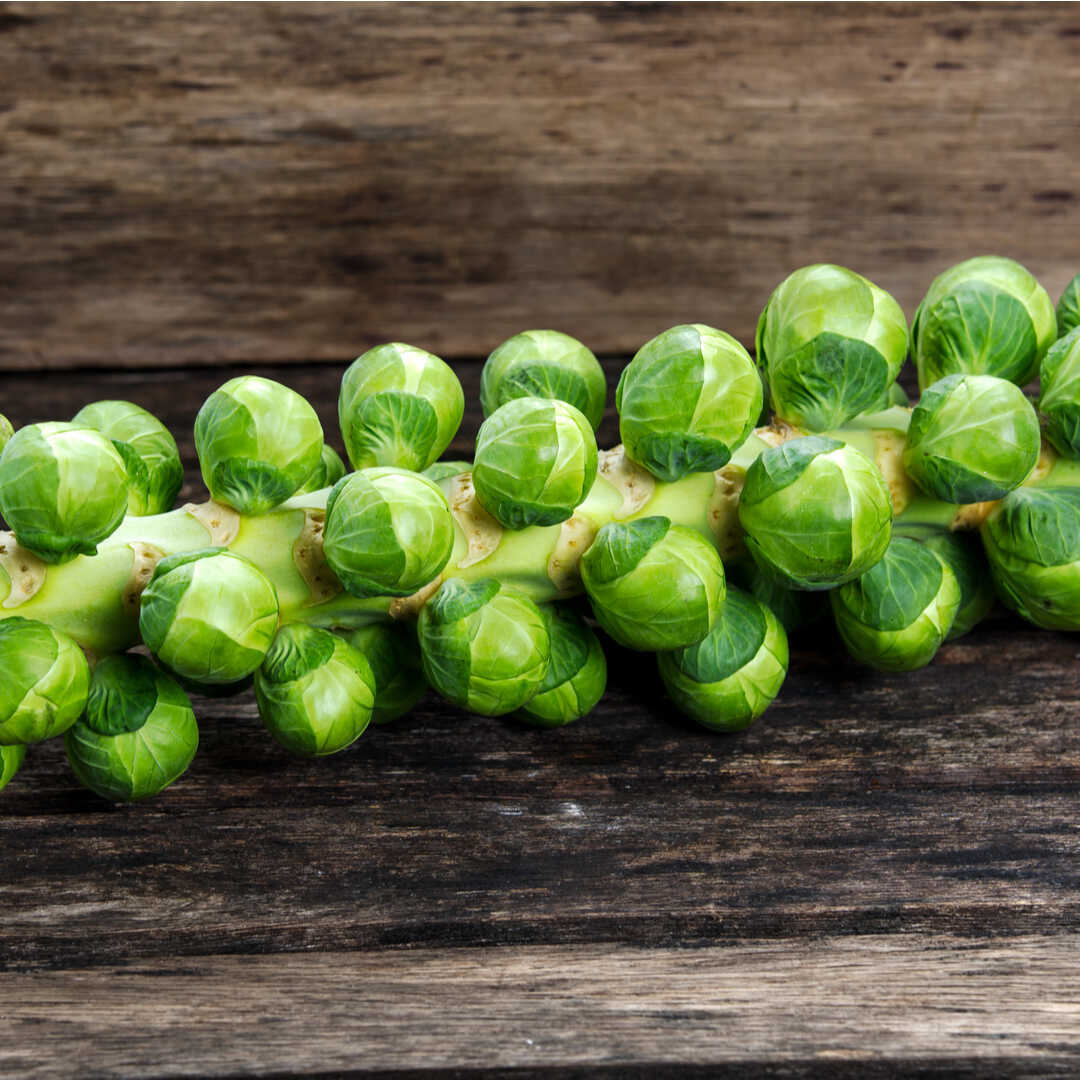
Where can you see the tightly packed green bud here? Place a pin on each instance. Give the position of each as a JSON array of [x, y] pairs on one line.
[[535, 462], [11, 759], [1068, 308], [896, 615], [209, 615], [326, 474], [963, 553], [44, 684], [816, 513], [730, 677], [984, 316], [399, 406], [154, 469], [544, 364], [388, 532], [1059, 393], [972, 438], [485, 647], [63, 489], [392, 651], [139, 732], [315, 691], [444, 470], [653, 585], [830, 344], [1032, 540], [257, 441], [576, 674], [687, 401]]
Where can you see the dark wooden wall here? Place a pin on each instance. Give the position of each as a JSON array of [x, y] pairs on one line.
[[186, 184]]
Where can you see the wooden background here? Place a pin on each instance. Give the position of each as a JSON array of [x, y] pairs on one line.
[[878, 880], [186, 184]]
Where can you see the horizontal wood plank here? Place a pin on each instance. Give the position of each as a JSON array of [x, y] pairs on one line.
[[257, 182], [839, 1005]]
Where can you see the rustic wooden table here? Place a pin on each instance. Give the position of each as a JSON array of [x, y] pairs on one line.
[[878, 879]]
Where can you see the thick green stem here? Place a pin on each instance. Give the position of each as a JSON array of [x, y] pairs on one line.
[[95, 599]]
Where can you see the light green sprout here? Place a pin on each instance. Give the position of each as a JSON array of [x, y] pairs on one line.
[[315, 691], [388, 532], [392, 651], [830, 344], [326, 474], [730, 677], [653, 585], [399, 406], [63, 489], [972, 438], [258, 442], [1068, 308], [984, 316], [209, 616], [544, 364], [1059, 393], [687, 401], [44, 684], [816, 513], [576, 674], [485, 646], [535, 462], [154, 469], [138, 735], [1032, 539], [896, 615]]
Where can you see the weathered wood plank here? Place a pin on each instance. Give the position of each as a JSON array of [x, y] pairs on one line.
[[260, 182], [831, 1006]]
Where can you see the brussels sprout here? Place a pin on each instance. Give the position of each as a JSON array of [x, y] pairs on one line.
[[326, 474], [209, 615], [44, 684], [485, 647], [394, 655], [795, 608], [139, 732], [963, 554], [896, 615], [730, 677], [11, 759], [1059, 394], [63, 489], [444, 470], [398, 406], [984, 316], [576, 674], [972, 438], [388, 532], [535, 462], [152, 460], [1032, 539], [816, 513], [687, 401], [6, 431], [653, 585], [830, 343], [1068, 308], [257, 441], [315, 691], [544, 364]]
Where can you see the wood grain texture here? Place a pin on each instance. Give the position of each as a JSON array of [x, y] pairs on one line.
[[257, 182], [878, 879], [845, 1005]]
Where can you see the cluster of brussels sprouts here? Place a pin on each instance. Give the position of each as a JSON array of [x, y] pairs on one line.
[[343, 596]]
